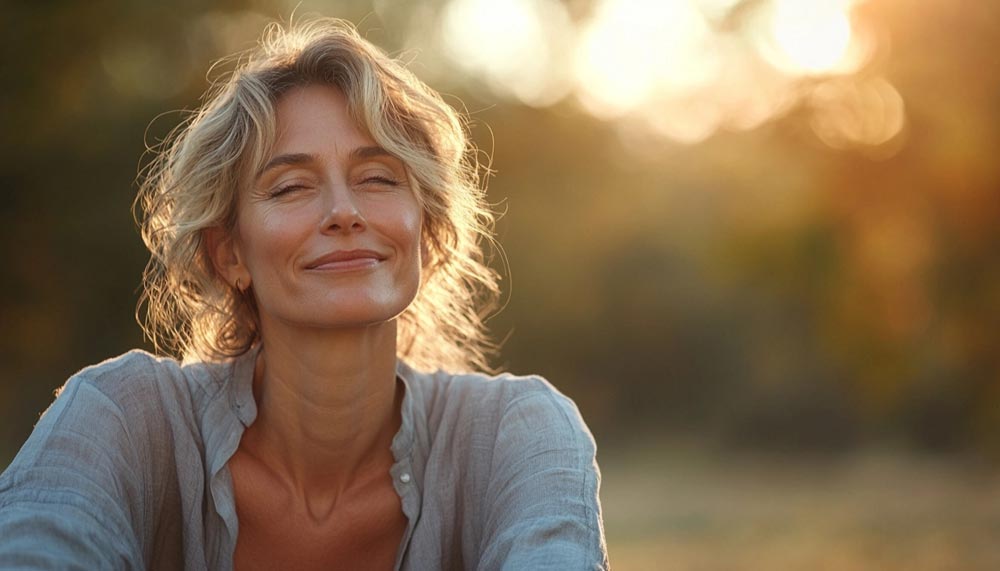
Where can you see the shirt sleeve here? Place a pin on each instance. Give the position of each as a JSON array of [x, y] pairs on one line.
[[542, 505], [65, 499]]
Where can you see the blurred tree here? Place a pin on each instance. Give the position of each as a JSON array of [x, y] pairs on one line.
[[759, 285]]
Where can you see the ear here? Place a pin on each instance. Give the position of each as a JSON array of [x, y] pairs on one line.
[[224, 251]]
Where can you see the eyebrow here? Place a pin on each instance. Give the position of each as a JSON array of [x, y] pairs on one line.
[[291, 159], [370, 153], [296, 159]]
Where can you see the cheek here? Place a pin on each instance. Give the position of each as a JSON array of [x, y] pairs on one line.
[[409, 224], [270, 242], [411, 239], [425, 251]]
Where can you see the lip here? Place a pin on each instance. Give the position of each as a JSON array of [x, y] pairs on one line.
[[346, 260]]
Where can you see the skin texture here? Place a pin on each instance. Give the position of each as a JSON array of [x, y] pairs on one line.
[[311, 475]]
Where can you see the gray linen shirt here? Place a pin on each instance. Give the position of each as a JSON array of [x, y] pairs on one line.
[[127, 469]]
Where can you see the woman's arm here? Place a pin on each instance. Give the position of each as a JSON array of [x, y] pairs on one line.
[[68, 499], [543, 506]]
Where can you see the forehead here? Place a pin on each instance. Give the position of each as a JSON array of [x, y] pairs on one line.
[[315, 118]]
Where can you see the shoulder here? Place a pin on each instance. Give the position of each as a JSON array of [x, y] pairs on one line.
[[138, 370], [486, 390], [79, 484], [119, 385], [504, 408], [111, 427], [142, 386], [102, 402], [123, 405], [530, 461], [124, 377], [524, 401]]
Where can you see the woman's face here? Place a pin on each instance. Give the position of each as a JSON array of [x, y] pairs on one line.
[[329, 232]]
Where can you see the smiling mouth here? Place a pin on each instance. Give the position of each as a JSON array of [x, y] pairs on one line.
[[346, 260]]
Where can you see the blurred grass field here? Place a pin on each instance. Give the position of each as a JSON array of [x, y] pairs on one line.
[[684, 506]]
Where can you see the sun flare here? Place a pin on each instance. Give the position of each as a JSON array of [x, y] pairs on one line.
[[513, 44], [813, 37], [633, 50]]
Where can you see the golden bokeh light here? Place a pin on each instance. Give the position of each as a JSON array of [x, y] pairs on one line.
[[810, 37], [850, 113], [514, 45], [681, 69], [633, 50]]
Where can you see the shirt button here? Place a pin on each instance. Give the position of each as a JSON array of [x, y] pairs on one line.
[[404, 477]]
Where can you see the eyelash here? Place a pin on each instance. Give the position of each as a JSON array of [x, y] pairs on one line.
[[378, 179], [285, 189], [370, 180]]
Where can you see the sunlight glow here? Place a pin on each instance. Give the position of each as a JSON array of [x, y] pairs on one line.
[[715, 10], [681, 69], [513, 44], [633, 49], [811, 37]]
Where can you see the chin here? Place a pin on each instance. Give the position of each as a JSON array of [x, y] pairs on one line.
[[339, 308], [346, 314]]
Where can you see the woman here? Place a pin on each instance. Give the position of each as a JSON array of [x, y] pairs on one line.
[[315, 233]]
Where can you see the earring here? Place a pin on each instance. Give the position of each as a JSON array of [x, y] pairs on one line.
[[238, 288]]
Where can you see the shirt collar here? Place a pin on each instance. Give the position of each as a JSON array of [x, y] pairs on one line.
[[240, 386]]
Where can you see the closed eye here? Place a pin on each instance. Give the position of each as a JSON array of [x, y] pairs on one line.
[[288, 188], [382, 180]]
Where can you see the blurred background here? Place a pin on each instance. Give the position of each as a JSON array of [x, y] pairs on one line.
[[757, 241]]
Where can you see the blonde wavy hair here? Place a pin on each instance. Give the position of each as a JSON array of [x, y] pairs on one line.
[[193, 183]]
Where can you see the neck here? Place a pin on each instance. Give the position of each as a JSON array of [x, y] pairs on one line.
[[328, 406]]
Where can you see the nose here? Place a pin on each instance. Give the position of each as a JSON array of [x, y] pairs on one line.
[[341, 211]]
